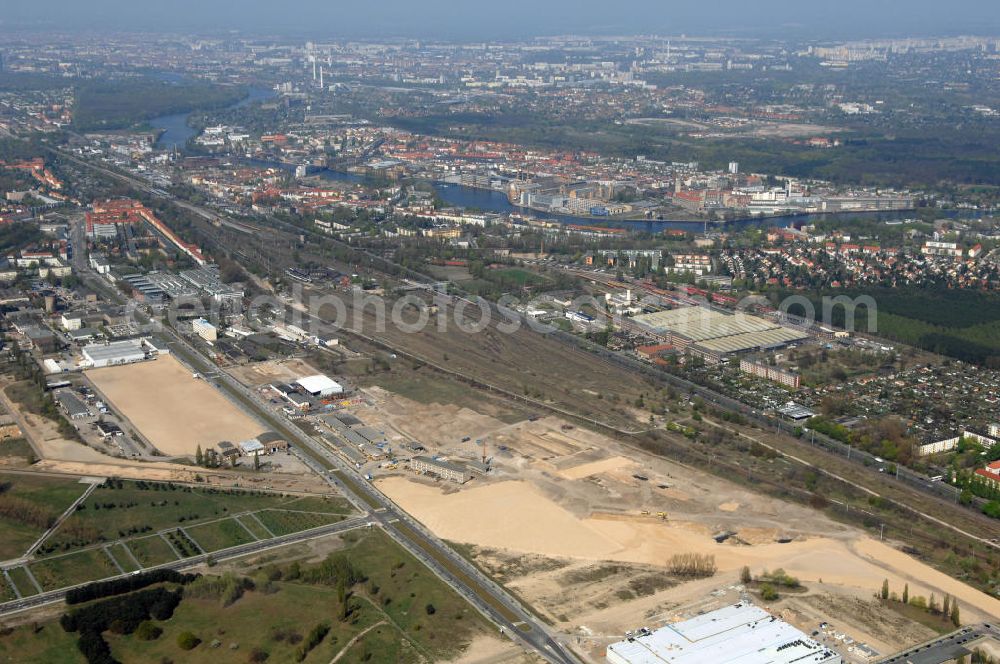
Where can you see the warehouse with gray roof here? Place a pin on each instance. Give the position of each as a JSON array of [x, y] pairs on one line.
[[716, 335]]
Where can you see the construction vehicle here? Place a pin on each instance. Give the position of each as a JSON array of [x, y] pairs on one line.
[[662, 515]]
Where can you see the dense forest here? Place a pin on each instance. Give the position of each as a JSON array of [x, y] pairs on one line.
[[962, 324], [120, 104]]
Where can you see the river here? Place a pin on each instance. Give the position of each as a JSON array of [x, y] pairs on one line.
[[175, 127], [496, 201], [489, 200]]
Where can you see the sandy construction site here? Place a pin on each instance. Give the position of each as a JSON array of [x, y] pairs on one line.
[[516, 516], [579, 516], [272, 371], [169, 407]]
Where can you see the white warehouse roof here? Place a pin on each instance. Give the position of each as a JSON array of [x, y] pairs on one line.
[[320, 384], [115, 352], [738, 634]]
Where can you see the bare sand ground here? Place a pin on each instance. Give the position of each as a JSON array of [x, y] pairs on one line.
[[566, 520], [51, 445], [596, 467], [304, 481], [173, 410], [435, 425], [486, 649], [271, 371], [515, 516], [45, 437]]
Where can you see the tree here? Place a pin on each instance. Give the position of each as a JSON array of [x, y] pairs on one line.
[[342, 596], [199, 458], [885, 590], [906, 594], [956, 619], [745, 576], [932, 604], [256, 461], [946, 606]]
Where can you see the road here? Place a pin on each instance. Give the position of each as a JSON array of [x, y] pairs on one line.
[[483, 593], [946, 648], [464, 578], [53, 596]]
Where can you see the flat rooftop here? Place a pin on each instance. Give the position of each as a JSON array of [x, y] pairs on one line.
[[319, 383], [720, 332], [737, 634], [114, 350]]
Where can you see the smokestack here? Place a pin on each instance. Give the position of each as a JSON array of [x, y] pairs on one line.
[[314, 68], [321, 76]]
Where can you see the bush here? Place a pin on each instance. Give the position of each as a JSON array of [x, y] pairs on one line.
[[316, 635], [779, 578], [148, 631], [187, 641], [257, 655], [768, 593], [430, 609]]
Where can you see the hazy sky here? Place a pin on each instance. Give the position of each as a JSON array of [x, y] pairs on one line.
[[484, 19]]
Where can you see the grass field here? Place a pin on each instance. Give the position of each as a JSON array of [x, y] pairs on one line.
[[51, 495], [184, 413], [121, 555], [139, 508], [393, 599], [16, 447], [23, 583], [319, 504], [405, 588], [285, 523], [151, 550], [219, 535], [427, 388], [6, 592], [131, 513], [257, 620], [74, 568], [254, 526], [51, 644], [399, 612]]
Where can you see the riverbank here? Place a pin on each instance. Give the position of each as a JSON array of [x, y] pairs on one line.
[[491, 201], [174, 130]]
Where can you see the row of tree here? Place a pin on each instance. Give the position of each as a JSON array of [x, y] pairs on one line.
[[693, 565], [127, 584], [947, 610]]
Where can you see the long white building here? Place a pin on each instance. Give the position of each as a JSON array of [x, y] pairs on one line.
[[738, 634]]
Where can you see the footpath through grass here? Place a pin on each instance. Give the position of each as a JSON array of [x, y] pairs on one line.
[[392, 609]]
